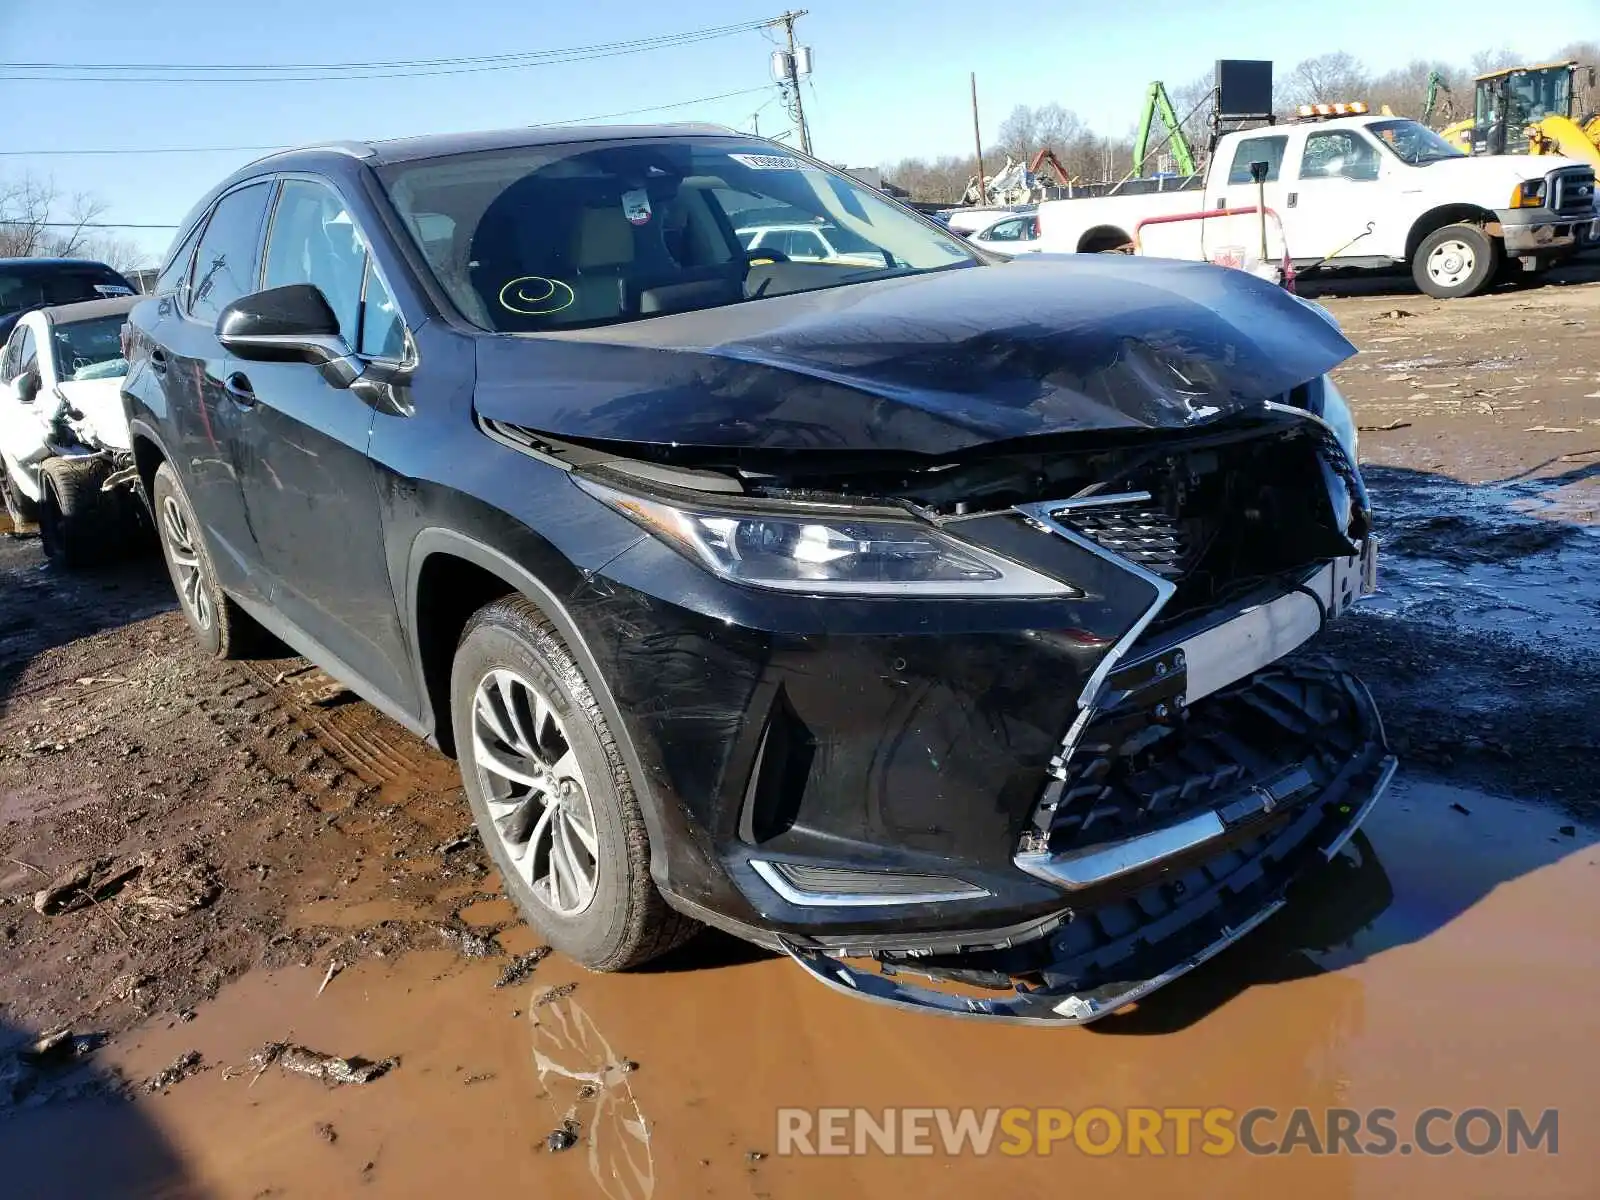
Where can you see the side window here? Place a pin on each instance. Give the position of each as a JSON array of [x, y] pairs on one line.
[[383, 333], [1258, 149], [225, 264], [314, 240], [804, 244], [1006, 231], [178, 266], [1338, 154]]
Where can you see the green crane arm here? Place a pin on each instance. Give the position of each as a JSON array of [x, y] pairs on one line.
[[1158, 104]]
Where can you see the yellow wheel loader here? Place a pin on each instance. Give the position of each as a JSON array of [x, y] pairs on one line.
[[1529, 110]]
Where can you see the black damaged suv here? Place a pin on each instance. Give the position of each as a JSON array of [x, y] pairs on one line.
[[841, 588]]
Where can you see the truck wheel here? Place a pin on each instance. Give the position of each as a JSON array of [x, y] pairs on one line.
[[24, 513], [551, 795], [222, 627], [1456, 261], [72, 512]]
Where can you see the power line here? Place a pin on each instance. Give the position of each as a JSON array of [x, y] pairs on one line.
[[382, 64], [86, 225], [107, 150], [400, 69]]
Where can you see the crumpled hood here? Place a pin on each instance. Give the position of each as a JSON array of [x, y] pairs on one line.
[[927, 364]]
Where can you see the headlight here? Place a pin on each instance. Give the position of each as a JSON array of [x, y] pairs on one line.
[[1328, 402], [1528, 194], [822, 552]]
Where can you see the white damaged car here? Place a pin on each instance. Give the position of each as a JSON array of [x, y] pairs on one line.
[[64, 443]]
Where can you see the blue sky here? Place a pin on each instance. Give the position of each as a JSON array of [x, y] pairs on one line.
[[890, 81]]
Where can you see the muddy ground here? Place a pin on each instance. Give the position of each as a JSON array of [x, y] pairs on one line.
[[235, 855]]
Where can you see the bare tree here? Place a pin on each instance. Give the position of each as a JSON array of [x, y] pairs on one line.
[[1326, 79], [1496, 59], [1405, 90], [936, 181], [35, 220], [1028, 130]]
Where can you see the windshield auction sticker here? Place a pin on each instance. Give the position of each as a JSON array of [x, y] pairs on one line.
[[636, 206], [769, 162]]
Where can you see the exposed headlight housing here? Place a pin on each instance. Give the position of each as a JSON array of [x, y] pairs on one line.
[[815, 550]]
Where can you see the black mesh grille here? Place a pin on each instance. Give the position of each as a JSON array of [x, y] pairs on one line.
[[1572, 193], [1140, 533]]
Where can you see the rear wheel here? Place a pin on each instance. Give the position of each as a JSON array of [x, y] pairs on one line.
[[73, 512], [221, 626], [1456, 261], [551, 795]]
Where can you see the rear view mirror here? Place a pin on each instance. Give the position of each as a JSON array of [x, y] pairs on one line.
[[289, 324], [28, 387]]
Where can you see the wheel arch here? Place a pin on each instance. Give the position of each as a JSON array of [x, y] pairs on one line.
[[479, 574], [1101, 238], [148, 455], [1445, 214]]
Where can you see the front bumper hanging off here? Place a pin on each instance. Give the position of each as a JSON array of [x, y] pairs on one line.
[[1282, 815]]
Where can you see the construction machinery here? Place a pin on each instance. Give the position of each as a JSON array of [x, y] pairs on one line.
[[1158, 105], [1529, 110]]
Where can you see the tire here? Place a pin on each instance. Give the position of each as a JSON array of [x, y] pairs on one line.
[[222, 628], [76, 523], [24, 513], [1456, 261], [611, 916]]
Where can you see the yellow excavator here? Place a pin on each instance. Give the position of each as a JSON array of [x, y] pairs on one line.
[[1526, 110]]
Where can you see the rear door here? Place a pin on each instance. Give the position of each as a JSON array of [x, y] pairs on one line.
[[192, 367], [310, 491], [1233, 240]]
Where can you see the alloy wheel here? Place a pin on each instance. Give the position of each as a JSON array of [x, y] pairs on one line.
[[181, 548], [536, 795]]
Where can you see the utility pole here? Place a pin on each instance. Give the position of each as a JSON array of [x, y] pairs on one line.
[[977, 141], [788, 19]]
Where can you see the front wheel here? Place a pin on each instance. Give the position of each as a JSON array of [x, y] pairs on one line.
[[73, 513], [1456, 261], [24, 513], [551, 795]]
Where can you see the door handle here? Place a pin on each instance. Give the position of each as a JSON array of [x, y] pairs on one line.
[[238, 388], [158, 361], [1293, 198]]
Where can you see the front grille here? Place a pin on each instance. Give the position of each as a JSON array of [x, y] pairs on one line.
[[1140, 533], [1572, 192]]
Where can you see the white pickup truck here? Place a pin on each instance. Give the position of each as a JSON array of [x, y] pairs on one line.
[[1350, 191]]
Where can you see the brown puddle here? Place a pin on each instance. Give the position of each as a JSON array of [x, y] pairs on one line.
[[1447, 960]]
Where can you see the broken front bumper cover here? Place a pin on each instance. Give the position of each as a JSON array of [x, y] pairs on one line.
[[1150, 921]]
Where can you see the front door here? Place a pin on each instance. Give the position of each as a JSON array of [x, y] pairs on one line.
[[1332, 202], [309, 488]]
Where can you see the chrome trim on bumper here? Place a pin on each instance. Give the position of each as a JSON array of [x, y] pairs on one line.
[[1094, 865], [775, 880]]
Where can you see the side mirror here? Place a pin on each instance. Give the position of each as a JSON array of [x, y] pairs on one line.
[[1258, 172], [289, 324], [28, 387]]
